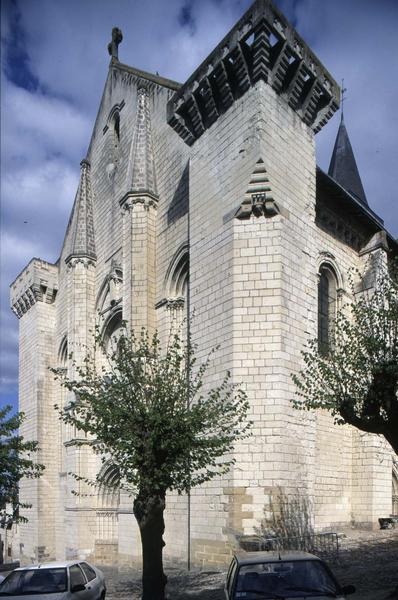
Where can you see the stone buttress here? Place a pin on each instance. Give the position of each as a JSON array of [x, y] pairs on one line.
[[81, 266], [139, 206]]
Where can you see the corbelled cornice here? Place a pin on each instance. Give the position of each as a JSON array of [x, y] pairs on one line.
[[261, 46], [38, 282]]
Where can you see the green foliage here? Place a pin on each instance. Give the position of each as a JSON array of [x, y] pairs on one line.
[[16, 461], [357, 379], [147, 412]]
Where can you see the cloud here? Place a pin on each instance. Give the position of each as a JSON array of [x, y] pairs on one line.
[[357, 41]]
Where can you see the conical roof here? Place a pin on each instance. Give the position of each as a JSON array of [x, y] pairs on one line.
[[343, 167], [82, 242], [141, 174]]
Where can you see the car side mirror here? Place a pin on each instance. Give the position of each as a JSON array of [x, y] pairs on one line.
[[79, 587], [349, 589]]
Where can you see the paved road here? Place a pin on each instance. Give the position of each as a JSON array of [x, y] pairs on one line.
[[368, 560]]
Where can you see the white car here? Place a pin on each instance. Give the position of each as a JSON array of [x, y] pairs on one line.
[[73, 580]]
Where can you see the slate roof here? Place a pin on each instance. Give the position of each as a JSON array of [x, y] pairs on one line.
[[343, 167]]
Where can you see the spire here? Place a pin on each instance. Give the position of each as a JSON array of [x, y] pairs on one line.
[[82, 229], [141, 174], [343, 167]]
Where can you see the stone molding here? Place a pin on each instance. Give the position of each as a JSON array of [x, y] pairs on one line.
[[377, 242], [116, 108], [171, 303], [86, 261], [258, 201], [261, 46], [339, 227], [144, 197]]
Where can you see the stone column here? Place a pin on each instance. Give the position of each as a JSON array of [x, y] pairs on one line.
[[139, 260]]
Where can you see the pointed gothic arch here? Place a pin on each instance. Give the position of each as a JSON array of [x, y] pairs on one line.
[[63, 352], [395, 489], [177, 276], [108, 499], [327, 305]]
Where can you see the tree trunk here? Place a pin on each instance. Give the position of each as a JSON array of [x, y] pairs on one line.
[[148, 510]]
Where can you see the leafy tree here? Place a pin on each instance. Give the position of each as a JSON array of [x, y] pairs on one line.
[[16, 461], [357, 378], [150, 414]]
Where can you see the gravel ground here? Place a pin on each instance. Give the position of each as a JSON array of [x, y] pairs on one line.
[[368, 560]]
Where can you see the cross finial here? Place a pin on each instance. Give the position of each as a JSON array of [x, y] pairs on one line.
[[113, 46], [343, 90]]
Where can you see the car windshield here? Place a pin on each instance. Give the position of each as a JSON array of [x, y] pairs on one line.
[[34, 581], [282, 578]]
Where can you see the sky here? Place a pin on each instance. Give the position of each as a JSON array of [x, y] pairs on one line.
[[54, 63]]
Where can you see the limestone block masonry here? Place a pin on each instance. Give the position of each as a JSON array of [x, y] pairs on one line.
[[204, 197]]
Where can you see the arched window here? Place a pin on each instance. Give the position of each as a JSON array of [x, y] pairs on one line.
[[63, 353], [113, 328], [176, 286], [327, 306]]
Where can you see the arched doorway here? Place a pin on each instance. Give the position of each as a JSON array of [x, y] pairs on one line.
[[106, 542], [395, 491]]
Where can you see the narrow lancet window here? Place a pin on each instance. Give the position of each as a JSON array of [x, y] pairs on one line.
[[116, 133], [327, 291]]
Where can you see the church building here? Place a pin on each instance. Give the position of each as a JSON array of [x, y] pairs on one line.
[[205, 197]]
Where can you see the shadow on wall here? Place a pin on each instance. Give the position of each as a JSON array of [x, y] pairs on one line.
[[180, 203]]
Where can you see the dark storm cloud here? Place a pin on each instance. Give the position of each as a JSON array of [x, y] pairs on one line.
[[54, 64]]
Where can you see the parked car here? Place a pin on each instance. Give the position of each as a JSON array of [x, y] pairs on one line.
[[282, 576], [74, 580]]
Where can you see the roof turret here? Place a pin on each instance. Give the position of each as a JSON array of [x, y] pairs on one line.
[[82, 244], [141, 173]]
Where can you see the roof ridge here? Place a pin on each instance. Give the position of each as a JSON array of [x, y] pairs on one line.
[[154, 78]]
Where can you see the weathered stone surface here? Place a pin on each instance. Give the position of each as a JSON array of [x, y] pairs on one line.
[[154, 218]]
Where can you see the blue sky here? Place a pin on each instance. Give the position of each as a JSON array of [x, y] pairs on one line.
[[54, 63]]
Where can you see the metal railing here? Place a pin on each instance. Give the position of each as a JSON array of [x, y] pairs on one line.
[[322, 544]]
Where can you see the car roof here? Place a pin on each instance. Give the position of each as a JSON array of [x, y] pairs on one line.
[[51, 565], [252, 558]]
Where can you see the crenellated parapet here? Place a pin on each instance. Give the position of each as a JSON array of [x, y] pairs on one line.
[[38, 282], [261, 46]]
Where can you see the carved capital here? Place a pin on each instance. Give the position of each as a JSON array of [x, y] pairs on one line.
[[144, 198], [86, 261], [172, 303]]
